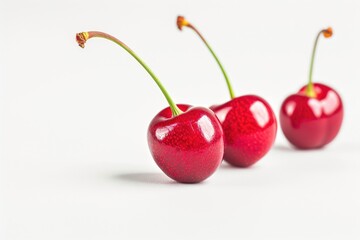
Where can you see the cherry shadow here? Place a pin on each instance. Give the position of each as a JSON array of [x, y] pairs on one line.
[[226, 166], [149, 178], [284, 148], [290, 148], [144, 177]]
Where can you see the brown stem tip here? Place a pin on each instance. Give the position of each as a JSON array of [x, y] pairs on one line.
[[181, 22], [328, 32], [81, 38]]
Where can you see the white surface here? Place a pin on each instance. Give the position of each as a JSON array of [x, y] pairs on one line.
[[74, 159]]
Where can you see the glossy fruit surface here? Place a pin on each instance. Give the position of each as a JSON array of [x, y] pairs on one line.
[[249, 126], [312, 122], [188, 147]]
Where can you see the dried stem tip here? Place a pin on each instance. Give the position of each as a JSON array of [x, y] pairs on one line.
[[81, 38], [328, 32], [182, 22]]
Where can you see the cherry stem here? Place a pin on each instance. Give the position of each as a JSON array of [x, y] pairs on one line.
[[310, 92], [182, 22], [82, 37]]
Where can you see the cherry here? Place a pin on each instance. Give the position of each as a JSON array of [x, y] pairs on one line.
[[248, 122], [186, 142], [312, 117]]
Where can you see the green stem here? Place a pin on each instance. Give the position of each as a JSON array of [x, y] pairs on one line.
[[84, 36], [310, 92], [231, 91]]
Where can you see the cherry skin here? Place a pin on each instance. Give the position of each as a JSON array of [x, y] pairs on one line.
[[248, 122], [249, 126], [189, 147], [186, 142], [312, 122]]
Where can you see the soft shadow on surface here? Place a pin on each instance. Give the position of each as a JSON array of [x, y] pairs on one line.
[[284, 148], [144, 177], [290, 148], [225, 165], [149, 178]]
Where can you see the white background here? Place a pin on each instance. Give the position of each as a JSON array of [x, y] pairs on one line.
[[74, 161]]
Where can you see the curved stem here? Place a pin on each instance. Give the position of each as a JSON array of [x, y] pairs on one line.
[[310, 92], [81, 38], [181, 22]]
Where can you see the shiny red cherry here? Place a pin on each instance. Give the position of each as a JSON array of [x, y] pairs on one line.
[[249, 126], [312, 122], [312, 117], [189, 147], [186, 142], [248, 122]]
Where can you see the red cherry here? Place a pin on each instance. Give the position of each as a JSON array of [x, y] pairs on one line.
[[312, 122], [312, 117], [249, 126], [248, 122], [188, 147], [186, 142]]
